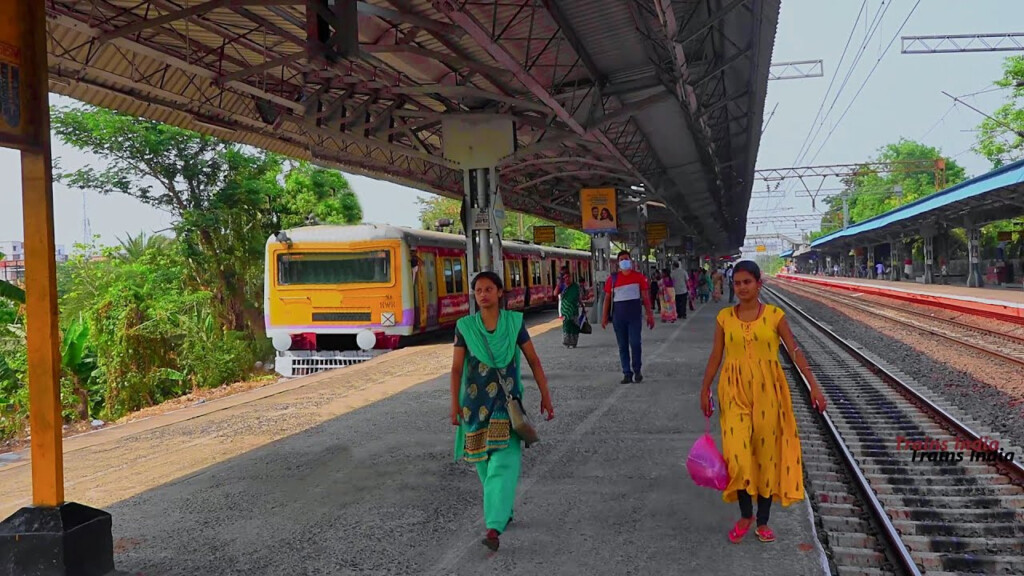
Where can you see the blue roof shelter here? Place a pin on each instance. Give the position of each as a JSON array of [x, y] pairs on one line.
[[996, 195]]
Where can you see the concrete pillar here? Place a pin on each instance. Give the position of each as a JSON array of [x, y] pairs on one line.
[[871, 261], [928, 233], [974, 276]]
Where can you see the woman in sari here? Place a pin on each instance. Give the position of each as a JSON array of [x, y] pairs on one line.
[[487, 346], [716, 284], [569, 305], [667, 294]]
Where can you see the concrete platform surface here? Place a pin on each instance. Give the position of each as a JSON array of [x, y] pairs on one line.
[[375, 490]]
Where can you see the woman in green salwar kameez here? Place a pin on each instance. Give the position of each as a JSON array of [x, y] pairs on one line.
[[479, 408], [570, 293]]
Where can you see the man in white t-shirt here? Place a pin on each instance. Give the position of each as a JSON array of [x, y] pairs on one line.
[[679, 285]]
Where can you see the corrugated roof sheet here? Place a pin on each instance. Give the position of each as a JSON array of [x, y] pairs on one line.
[[1006, 176], [786, 254]]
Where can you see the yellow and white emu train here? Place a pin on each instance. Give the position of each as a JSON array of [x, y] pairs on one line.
[[330, 290]]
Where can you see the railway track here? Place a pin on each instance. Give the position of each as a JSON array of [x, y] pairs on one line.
[[1006, 347], [882, 507]]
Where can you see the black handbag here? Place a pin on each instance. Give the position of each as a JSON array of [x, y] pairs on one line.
[[516, 413], [583, 323]]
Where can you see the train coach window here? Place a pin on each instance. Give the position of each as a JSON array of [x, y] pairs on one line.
[[449, 281], [457, 272], [334, 268]]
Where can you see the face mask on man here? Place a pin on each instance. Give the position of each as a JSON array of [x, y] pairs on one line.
[[625, 264]]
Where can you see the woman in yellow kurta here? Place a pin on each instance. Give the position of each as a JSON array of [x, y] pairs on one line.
[[759, 436]]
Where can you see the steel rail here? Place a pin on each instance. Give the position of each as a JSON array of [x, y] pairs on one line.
[[925, 329]]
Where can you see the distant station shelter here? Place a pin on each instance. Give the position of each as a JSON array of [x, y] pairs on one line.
[[997, 195]]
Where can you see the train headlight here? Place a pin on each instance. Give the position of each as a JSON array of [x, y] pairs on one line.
[[366, 339], [282, 342]]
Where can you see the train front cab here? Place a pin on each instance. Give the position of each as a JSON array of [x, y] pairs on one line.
[[322, 294]]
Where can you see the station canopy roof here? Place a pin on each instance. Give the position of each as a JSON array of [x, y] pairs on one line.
[[996, 195], [661, 100]]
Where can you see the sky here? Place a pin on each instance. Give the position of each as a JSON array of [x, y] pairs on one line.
[[902, 98]]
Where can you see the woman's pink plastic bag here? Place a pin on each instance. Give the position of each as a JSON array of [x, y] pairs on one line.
[[706, 465]]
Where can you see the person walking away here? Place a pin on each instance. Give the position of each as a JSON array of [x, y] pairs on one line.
[[760, 441], [704, 285], [680, 283], [560, 288], [654, 286], [908, 268], [728, 280], [631, 295], [667, 294], [693, 283], [570, 308], [487, 347]]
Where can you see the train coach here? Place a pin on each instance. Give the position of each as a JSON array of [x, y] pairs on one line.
[[330, 290]]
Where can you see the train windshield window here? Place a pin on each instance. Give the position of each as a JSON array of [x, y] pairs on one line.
[[334, 268]]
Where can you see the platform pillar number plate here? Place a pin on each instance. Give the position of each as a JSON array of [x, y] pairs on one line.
[[387, 318]]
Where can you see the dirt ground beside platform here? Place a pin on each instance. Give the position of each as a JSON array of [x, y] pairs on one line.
[[118, 462]]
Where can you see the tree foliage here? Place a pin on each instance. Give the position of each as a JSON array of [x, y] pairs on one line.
[[1000, 137], [159, 316], [871, 193], [226, 200], [517, 226]]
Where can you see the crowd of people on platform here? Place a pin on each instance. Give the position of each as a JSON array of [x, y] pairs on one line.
[[760, 442]]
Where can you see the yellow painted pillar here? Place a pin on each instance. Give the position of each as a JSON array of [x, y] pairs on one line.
[[23, 53]]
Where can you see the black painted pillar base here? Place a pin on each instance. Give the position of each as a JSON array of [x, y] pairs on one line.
[[69, 540]]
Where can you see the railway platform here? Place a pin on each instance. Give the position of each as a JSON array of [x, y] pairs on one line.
[[1004, 304], [351, 472]]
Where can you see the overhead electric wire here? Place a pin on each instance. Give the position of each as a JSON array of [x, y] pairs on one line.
[[865, 82], [875, 24], [831, 82]]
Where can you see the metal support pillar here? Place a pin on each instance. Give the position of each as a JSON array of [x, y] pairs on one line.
[[478, 142], [928, 233], [895, 259], [974, 277], [601, 251], [871, 261]]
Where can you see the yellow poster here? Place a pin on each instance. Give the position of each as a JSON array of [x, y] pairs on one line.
[[598, 208]]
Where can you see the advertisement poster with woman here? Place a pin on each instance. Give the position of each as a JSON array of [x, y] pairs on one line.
[[598, 207]]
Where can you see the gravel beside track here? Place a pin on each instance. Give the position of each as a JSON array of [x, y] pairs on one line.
[[970, 381]]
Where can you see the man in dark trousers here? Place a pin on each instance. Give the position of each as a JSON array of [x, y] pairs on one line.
[[630, 291], [682, 291]]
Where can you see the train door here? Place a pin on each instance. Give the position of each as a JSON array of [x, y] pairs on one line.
[[527, 282], [430, 277]]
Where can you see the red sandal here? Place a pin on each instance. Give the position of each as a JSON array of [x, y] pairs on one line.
[[737, 533], [765, 534]]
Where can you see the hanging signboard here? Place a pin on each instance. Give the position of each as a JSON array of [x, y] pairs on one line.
[[1004, 236], [18, 128], [598, 208], [657, 232], [762, 248], [543, 234]]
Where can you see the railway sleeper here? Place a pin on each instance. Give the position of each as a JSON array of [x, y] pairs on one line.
[[844, 524], [983, 479], [860, 557], [835, 493], [953, 515], [863, 571], [1013, 502], [961, 529], [853, 540], [960, 544], [944, 491], [961, 563]]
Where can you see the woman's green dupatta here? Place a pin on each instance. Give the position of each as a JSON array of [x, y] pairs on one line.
[[503, 346]]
